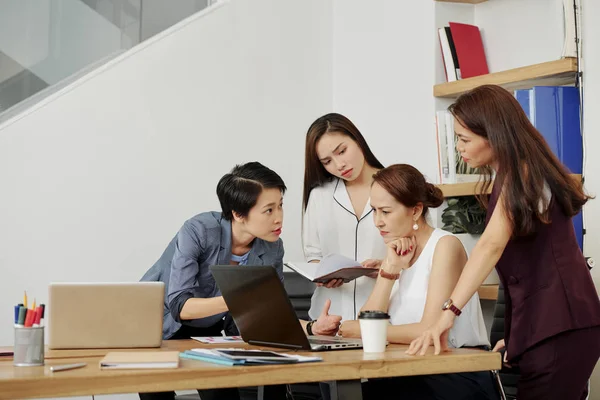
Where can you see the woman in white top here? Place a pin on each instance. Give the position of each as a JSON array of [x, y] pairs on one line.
[[421, 267], [339, 167]]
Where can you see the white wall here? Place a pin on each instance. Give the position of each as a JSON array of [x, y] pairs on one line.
[[591, 65], [97, 179], [382, 77], [535, 34]]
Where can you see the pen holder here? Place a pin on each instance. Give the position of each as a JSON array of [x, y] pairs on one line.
[[29, 347]]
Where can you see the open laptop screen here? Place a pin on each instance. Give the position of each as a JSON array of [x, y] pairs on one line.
[[260, 306]]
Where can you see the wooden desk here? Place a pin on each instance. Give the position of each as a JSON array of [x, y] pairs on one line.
[[345, 366]]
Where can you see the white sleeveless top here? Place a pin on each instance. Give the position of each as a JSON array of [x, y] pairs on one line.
[[407, 300]]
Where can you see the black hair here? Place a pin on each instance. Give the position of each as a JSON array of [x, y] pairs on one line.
[[238, 190]]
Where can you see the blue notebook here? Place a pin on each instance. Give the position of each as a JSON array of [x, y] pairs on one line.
[[193, 355]]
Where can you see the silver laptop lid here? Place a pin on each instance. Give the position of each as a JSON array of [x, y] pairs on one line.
[[105, 315]]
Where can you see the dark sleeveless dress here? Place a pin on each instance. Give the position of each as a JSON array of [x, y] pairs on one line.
[[552, 317]]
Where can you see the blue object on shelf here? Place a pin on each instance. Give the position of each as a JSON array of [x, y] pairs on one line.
[[555, 112]]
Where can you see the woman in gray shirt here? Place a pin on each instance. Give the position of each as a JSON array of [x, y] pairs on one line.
[[245, 232]]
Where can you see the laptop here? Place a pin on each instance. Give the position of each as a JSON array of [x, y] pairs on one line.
[[105, 315], [263, 313]]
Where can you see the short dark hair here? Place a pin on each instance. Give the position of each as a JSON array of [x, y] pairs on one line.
[[238, 190]]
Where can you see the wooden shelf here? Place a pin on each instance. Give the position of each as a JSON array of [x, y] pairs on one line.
[[463, 1], [552, 73], [470, 188], [461, 189], [488, 292]]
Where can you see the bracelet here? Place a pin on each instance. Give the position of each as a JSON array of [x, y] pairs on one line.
[[387, 275], [309, 327]]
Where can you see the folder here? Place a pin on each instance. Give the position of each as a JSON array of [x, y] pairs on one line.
[[554, 111], [333, 266]]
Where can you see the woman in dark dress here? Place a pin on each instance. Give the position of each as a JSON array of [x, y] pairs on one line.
[[552, 318]]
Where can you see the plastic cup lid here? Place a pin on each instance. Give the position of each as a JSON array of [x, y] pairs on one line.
[[373, 315]]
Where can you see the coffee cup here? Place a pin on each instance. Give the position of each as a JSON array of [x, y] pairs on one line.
[[373, 330]]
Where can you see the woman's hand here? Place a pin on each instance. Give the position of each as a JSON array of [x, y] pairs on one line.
[[350, 329], [371, 263], [400, 253], [436, 334], [326, 325], [498, 347], [331, 284]]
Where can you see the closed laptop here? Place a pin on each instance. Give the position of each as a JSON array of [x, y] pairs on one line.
[[105, 315]]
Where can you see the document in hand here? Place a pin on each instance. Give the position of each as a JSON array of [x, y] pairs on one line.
[[333, 266], [140, 360]]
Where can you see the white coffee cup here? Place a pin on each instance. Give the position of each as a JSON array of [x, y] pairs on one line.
[[373, 330]]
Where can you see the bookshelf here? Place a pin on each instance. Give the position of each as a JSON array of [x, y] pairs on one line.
[[471, 188], [463, 1], [460, 189], [551, 73]]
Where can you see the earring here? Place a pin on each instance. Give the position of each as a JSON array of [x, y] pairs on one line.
[[416, 226]]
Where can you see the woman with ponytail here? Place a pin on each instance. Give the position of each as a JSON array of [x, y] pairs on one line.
[[419, 272]]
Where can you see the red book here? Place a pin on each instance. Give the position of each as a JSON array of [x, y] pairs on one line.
[[469, 50]]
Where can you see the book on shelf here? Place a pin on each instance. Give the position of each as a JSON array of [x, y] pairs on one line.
[[463, 54], [333, 266], [469, 50], [449, 58], [451, 166], [570, 28]]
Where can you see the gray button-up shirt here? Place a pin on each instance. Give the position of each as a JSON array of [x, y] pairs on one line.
[[202, 241]]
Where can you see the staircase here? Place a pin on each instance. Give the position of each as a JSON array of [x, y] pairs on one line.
[[46, 44]]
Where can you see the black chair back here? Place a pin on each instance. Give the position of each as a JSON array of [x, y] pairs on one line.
[[508, 376]]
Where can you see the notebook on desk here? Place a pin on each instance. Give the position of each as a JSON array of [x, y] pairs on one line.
[[140, 360], [105, 315], [263, 313]]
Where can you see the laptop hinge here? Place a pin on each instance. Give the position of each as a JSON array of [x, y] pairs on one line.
[[271, 344]]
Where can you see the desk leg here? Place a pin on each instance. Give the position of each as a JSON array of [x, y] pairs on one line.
[[345, 390]]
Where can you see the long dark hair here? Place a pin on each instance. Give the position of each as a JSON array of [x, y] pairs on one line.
[[525, 161], [409, 187], [314, 172]]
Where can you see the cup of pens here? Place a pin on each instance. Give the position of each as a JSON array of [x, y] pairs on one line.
[[29, 335]]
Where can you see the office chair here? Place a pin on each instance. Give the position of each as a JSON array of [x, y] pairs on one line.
[[506, 378]]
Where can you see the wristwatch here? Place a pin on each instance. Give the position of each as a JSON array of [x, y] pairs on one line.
[[309, 327], [449, 305]]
